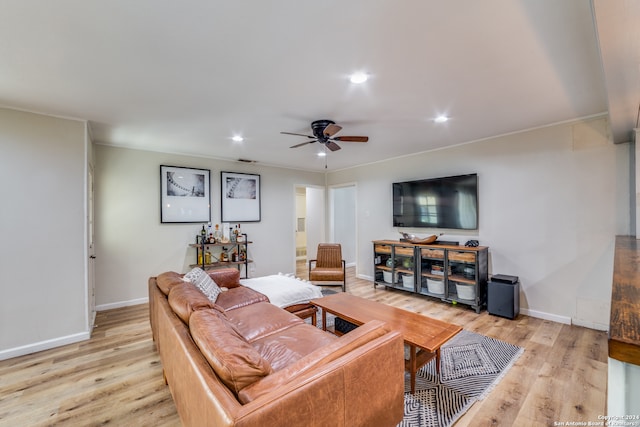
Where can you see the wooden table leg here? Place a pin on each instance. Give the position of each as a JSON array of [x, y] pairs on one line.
[[412, 367], [438, 361], [324, 320]]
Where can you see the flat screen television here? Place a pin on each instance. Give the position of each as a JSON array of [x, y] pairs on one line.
[[449, 202]]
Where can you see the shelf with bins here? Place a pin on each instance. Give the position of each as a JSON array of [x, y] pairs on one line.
[[451, 273], [209, 255], [432, 272], [395, 266]]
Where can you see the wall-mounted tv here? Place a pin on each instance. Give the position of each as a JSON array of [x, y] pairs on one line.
[[449, 202]]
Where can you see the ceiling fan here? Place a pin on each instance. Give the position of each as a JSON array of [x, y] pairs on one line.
[[323, 131]]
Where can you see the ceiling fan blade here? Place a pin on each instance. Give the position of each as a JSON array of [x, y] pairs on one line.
[[298, 134], [352, 138], [331, 129], [303, 143], [332, 146]]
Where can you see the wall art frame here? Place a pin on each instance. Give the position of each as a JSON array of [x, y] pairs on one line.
[[240, 197], [185, 194]]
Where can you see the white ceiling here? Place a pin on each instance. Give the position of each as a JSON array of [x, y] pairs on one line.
[[184, 77]]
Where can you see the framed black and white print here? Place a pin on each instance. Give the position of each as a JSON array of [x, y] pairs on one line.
[[185, 194], [240, 194]]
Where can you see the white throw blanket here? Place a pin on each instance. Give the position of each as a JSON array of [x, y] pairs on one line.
[[283, 290]]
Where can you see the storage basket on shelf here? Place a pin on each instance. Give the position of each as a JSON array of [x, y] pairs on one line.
[[387, 277], [407, 280], [435, 286], [467, 292]]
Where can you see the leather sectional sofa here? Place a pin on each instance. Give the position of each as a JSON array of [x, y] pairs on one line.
[[242, 361]]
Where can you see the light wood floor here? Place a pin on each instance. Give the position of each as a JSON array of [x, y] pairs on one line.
[[116, 378]]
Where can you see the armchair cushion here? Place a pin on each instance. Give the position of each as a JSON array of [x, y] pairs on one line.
[[326, 274], [329, 255], [329, 265]]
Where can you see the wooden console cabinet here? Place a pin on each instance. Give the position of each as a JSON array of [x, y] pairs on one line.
[[455, 274]]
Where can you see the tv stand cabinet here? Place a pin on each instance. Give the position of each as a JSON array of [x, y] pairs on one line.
[[451, 273]]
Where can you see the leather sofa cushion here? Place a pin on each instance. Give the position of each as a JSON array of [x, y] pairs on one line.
[[226, 277], [326, 354], [240, 296], [261, 319], [166, 281], [234, 360], [287, 346], [185, 298]]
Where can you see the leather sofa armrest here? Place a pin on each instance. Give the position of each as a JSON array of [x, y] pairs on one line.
[[226, 277], [364, 387], [168, 280]]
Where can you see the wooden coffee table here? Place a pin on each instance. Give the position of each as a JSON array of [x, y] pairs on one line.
[[422, 334]]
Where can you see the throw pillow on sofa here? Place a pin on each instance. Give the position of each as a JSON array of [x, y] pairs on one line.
[[204, 282]]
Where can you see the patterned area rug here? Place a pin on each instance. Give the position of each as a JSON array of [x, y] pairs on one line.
[[471, 365]]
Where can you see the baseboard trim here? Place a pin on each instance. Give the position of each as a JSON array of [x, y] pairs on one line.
[[43, 345], [532, 313], [591, 325], [110, 306], [546, 316]]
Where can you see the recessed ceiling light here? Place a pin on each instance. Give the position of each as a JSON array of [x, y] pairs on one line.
[[441, 119], [237, 138], [358, 78], [322, 154]]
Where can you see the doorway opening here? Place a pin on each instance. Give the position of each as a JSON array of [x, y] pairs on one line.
[[309, 225]]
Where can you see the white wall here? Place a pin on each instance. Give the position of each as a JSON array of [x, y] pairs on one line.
[[42, 217], [132, 244], [551, 202], [343, 213]]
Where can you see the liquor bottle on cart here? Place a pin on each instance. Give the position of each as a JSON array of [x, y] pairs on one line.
[[217, 234]]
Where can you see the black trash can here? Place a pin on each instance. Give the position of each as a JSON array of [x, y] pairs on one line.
[[503, 298]]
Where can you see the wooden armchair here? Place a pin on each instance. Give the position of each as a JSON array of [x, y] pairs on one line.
[[328, 267]]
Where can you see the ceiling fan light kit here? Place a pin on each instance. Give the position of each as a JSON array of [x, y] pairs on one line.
[[323, 132], [358, 78]]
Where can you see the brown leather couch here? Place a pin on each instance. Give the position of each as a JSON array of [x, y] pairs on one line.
[[245, 362]]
